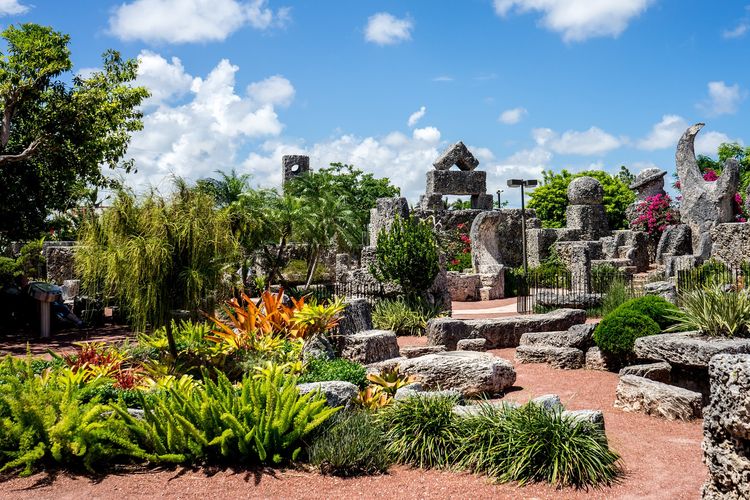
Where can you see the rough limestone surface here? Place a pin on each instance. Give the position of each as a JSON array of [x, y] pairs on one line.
[[456, 182], [731, 243], [585, 191], [648, 182], [385, 212], [501, 332], [726, 428], [641, 395], [356, 317], [688, 348], [496, 239], [60, 262], [664, 289], [655, 371], [578, 336], [589, 220], [294, 166], [337, 392], [567, 358], [470, 373], [597, 360], [463, 287], [369, 346], [595, 417], [704, 203], [548, 401], [456, 154], [421, 350], [675, 241], [479, 345]]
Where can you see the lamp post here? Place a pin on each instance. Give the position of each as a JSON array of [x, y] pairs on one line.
[[499, 205], [522, 183]]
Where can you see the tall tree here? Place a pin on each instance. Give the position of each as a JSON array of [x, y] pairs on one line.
[[55, 136]]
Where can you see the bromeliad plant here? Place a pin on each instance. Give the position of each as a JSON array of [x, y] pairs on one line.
[[714, 311], [383, 387], [249, 325]]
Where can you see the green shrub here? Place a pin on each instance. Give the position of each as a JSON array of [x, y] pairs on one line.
[[533, 444], [711, 273], [30, 260], [324, 370], [616, 333], [657, 308], [407, 255], [617, 294], [714, 312], [354, 445], [422, 431], [9, 271], [402, 316], [262, 421]]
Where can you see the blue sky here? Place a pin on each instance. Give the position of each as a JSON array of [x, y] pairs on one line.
[[386, 85]]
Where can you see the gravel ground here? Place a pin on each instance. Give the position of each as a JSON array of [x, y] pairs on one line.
[[662, 460]]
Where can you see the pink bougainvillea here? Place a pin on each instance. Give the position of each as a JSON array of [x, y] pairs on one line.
[[457, 247], [654, 215], [710, 175], [739, 208]]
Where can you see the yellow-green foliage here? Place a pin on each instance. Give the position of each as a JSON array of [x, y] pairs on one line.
[[263, 420], [43, 421], [154, 255]]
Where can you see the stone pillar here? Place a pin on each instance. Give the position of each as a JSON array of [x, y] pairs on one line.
[[382, 216], [585, 211], [293, 166]]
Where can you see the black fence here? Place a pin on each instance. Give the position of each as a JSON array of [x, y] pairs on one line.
[[371, 292], [713, 274], [544, 290]]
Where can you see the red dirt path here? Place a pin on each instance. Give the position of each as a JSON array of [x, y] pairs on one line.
[[662, 459]]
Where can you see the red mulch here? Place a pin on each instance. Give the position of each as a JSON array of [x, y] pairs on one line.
[[662, 460]]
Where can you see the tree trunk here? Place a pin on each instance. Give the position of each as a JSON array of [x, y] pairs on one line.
[[311, 270]]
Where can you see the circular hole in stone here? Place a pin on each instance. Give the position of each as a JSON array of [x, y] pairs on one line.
[[294, 169]]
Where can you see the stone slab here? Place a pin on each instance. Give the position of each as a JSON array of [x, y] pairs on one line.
[[501, 332], [421, 350], [456, 154], [641, 395], [689, 348], [567, 358], [369, 346], [470, 373], [456, 182], [653, 371], [577, 336]]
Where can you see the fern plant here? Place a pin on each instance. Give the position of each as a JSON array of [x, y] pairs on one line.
[[263, 420], [44, 422]]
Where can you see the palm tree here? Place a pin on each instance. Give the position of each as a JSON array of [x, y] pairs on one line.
[[228, 188], [326, 221]]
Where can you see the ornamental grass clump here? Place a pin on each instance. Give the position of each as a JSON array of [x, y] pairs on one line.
[[535, 444], [354, 445], [422, 431], [714, 311]]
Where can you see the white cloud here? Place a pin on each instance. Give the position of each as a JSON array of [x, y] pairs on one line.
[[579, 20], [402, 159], [275, 90], [512, 116], [707, 143], [416, 116], [722, 98], [207, 130], [738, 31], [742, 27], [164, 79], [664, 134], [12, 8], [386, 29], [184, 21], [428, 134], [593, 141], [443, 78]]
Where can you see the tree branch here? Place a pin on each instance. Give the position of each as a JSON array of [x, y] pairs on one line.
[[26, 153]]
